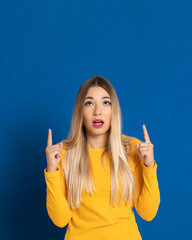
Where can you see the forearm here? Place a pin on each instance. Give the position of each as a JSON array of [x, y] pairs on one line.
[[56, 202], [148, 197]]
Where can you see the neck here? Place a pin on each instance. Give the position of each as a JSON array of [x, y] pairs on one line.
[[97, 141]]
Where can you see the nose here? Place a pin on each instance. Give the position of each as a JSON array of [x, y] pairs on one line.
[[97, 110]]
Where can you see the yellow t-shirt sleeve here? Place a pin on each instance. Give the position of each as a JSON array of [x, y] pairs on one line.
[[56, 202], [147, 194]]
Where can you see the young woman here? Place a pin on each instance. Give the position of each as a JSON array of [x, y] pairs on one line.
[[96, 176]]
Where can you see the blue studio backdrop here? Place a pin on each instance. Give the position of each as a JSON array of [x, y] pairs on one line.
[[48, 49]]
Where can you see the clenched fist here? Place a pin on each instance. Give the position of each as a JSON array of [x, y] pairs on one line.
[[53, 153]]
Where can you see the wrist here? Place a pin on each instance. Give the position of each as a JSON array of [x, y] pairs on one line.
[[49, 169], [150, 165]]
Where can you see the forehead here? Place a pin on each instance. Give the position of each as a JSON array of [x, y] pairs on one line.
[[97, 92]]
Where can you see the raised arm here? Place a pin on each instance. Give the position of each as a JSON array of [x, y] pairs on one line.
[[56, 202], [147, 194]]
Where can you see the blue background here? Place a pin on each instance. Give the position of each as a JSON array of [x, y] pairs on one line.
[[48, 49]]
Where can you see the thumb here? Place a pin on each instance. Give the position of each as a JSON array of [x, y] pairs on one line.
[[137, 146], [61, 145]]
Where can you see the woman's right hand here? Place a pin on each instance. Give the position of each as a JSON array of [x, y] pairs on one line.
[[53, 153]]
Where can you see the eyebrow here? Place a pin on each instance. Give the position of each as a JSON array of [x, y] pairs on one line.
[[93, 98]]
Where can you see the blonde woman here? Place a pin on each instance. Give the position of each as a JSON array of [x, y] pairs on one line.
[[96, 176]]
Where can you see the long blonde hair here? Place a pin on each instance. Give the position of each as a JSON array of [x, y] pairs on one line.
[[76, 166]]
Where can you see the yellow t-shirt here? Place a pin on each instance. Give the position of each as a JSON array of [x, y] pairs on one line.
[[96, 218]]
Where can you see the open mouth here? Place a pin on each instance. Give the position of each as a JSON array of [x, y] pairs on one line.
[[98, 122]]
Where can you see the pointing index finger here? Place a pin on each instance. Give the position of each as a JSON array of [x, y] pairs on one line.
[[146, 135], [49, 140]]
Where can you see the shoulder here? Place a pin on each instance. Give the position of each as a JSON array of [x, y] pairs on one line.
[[132, 140], [62, 155], [133, 155], [63, 151]]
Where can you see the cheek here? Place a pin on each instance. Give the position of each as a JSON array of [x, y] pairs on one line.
[[108, 113], [85, 115], [108, 116]]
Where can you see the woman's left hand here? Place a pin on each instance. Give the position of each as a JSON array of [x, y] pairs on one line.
[[145, 150]]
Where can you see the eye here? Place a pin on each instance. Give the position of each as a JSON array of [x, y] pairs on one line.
[[87, 104], [107, 102]]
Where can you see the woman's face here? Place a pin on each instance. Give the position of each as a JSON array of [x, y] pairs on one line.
[[97, 105]]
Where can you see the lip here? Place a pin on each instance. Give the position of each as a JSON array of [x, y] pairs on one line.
[[98, 126], [98, 120]]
